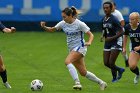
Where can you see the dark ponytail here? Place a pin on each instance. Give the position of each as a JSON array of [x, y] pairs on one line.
[[70, 11], [74, 11]]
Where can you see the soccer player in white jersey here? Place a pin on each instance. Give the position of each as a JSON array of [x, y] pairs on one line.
[[74, 30], [119, 16], [3, 72]]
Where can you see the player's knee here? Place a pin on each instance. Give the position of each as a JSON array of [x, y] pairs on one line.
[[132, 67], [2, 68], [83, 73], [107, 65], [67, 62]]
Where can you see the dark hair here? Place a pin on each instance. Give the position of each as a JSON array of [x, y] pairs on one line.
[[113, 3], [110, 4], [70, 11]]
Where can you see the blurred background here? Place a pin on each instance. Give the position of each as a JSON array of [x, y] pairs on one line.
[[25, 15]]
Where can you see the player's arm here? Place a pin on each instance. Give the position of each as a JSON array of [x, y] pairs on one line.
[[102, 36], [7, 30], [49, 29], [137, 48], [122, 23], [90, 39], [118, 34], [124, 43]]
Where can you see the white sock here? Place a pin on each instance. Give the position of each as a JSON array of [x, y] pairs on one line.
[[93, 77], [73, 72]]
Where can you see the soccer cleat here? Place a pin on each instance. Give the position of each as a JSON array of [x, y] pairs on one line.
[[7, 85], [120, 73], [136, 79], [77, 86], [103, 86], [114, 80]]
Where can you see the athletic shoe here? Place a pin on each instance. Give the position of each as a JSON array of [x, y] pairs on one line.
[[120, 73], [114, 80], [7, 85], [136, 79], [103, 86], [77, 86]]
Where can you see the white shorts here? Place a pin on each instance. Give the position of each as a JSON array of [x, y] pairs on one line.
[[82, 50]]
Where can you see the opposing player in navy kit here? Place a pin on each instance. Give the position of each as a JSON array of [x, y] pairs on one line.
[[3, 73], [119, 16], [112, 31], [74, 30], [133, 31]]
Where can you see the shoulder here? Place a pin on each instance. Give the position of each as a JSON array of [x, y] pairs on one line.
[[61, 23], [127, 26], [79, 22], [114, 18], [118, 12]]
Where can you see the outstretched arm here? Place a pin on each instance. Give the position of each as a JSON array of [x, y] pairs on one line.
[[49, 29], [7, 30]]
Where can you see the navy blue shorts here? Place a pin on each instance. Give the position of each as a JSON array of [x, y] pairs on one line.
[[111, 46]]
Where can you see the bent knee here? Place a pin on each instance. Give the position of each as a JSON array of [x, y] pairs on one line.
[[83, 73], [107, 65], [132, 67], [2, 68], [67, 62]]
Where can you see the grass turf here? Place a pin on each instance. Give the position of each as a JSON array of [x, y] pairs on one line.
[[41, 55]]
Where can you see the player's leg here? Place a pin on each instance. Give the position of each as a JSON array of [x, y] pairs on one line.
[[106, 56], [113, 56], [125, 56], [80, 65], [133, 61], [3, 73], [72, 57]]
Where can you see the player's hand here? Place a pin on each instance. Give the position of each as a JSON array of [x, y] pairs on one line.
[[13, 29], [101, 39], [108, 39], [42, 23], [124, 51], [137, 48], [87, 44]]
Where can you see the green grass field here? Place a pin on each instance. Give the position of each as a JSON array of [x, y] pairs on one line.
[[41, 55]]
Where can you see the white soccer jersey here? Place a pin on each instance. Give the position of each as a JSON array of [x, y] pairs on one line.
[[75, 32], [118, 15]]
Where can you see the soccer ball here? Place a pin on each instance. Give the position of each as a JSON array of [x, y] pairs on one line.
[[36, 85]]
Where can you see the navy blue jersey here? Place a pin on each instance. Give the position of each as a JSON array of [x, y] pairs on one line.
[[2, 26], [110, 27], [133, 34]]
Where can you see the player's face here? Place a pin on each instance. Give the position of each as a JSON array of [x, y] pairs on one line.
[[107, 9], [66, 18], [133, 20]]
